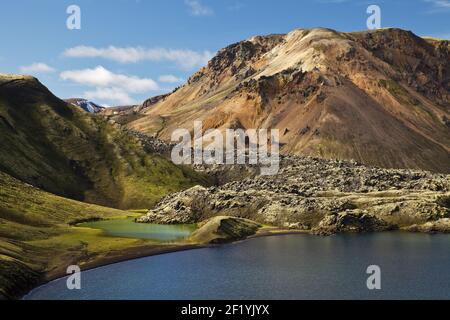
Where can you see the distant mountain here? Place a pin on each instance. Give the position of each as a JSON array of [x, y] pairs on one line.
[[86, 105], [380, 97], [61, 149]]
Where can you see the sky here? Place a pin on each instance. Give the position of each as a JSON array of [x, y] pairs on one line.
[[129, 50]]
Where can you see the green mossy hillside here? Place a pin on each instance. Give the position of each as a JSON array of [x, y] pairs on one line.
[[66, 151], [36, 235]]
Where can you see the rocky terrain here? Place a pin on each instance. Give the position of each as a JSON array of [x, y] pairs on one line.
[[122, 114], [318, 195], [439, 226], [331, 94], [224, 229], [380, 97]]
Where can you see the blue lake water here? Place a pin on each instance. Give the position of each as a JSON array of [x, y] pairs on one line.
[[129, 229], [413, 266]]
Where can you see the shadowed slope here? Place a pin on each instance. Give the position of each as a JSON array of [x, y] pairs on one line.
[[64, 150], [28, 214]]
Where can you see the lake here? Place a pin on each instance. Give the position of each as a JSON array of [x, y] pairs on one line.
[[129, 229], [413, 266]]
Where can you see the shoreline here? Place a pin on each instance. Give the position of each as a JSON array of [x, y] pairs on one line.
[[127, 255], [143, 252], [149, 251]]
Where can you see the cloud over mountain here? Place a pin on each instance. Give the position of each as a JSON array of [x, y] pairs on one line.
[[169, 78], [196, 8], [37, 67], [108, 85], [185, 59]]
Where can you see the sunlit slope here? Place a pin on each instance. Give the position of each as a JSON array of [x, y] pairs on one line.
[[379, 97]]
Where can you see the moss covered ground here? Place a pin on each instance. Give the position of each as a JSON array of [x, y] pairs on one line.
[[60, 165], [38, 238]]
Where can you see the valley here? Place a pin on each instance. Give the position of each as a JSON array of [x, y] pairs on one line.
[[64, 150], [365, 141], [59, 166]]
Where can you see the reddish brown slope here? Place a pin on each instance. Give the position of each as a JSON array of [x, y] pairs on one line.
[[381, 97]]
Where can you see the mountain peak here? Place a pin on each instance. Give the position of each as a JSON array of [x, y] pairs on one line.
[[25, 89], [16, 78], [380, 97], [85, 104]]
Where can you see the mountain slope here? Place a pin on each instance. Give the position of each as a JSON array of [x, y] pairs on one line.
[[379, 97], [37, 236], [63, 150]]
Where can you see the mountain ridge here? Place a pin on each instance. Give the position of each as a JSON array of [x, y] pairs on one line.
[[64, 150], [379, 97]]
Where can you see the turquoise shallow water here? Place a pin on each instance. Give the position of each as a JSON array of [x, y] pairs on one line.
[[413, 266], [129, 229]]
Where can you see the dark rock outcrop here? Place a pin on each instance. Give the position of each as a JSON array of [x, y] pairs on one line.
[[348, 221]]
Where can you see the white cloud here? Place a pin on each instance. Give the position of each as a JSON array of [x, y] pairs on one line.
[[37, 67], [109, 87], [196, 8], [168, 78], [113, 95], [236, 6], [186, 59], [439, 5], [101, 77]]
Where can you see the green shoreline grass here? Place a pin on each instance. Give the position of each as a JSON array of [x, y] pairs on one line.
[[67, 153], [38, 239], [137, 248]]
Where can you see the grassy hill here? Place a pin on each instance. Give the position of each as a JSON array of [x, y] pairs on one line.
[[66, 151], [51, 151], [37, 238]]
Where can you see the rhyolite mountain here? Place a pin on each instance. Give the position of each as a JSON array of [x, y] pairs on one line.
[[59, 148], [379, 97]]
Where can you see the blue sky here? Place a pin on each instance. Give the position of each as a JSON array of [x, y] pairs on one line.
[[129, 50]]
